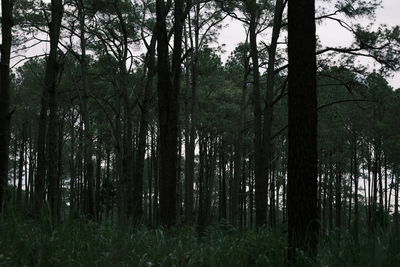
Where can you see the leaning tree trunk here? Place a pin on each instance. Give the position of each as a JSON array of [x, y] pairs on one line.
[[302, 158], [5, 116]]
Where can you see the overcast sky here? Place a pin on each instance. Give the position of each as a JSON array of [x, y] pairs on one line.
[[330, 33]]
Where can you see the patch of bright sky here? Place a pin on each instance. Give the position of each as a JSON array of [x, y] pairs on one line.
[[329, 32]]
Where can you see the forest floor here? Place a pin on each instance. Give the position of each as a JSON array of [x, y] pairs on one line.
[[25, 242]]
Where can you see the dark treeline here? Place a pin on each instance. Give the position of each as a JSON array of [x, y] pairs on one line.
[[131, 116]]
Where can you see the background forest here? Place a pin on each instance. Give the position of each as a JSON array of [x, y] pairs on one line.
[[126, 140]]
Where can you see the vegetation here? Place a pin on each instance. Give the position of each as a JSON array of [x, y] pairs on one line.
[[130, 142], [26, 242]]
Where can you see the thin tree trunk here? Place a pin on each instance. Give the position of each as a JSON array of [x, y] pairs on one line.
[[189, 179], [73, 174], [238, 159], [144, 122], [90, 210], [356, 174], [223, 195], [338, 201], [21, 163], [261, 194], [268, 112]]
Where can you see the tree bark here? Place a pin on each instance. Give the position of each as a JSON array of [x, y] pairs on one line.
[[268, 112], [144, 122], [48, 102], [168, 91], [238, 157], [5, 115], [302, 130], [261, 190], [90, 210], [189, 172], [21, 163]]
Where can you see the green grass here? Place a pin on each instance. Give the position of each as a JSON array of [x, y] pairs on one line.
[[379, 249], [26, 242]]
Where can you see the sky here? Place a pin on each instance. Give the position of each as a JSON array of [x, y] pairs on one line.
[[330, 34]]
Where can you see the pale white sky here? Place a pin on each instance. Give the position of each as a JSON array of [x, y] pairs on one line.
[[329, 32]]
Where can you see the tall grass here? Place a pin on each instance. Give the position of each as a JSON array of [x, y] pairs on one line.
[[26, 242]]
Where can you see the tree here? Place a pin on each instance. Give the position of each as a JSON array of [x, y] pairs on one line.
[[48, 103], [199, 29], [168, 87], [5, 115], [302, 130]]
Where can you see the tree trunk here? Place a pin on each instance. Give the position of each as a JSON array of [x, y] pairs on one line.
[[302, 130], [201, 220], [144, 122], [268, 112], [168, 92], [189, 172], [261, 190], [355, 174], [338, 201], [90, 210], [72, 167], [5, 115], [21, 163], [48, 102], [239, 144]]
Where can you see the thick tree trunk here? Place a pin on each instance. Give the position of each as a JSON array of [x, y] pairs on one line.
[[302, 159], [5, 116], [168, 91], [48, 102]]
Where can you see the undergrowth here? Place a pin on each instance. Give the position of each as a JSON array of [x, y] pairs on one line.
[[26, 242]]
